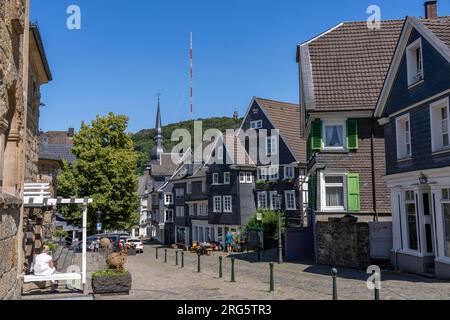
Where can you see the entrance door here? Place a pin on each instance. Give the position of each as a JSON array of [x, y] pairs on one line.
[[428, 223]]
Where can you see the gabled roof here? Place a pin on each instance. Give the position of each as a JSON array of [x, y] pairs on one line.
[[436, 32], [344, 68], [58, 152], [286, 118]]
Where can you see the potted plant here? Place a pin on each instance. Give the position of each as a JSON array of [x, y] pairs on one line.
[[115, 279]]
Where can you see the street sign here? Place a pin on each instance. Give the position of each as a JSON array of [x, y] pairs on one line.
[[99, 226], [259, 216]]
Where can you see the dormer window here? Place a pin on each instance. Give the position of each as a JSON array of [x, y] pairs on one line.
[[414, 59], [256, 124]]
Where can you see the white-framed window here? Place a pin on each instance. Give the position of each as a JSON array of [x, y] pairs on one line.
[[445, 202], [290, 200], [179, 193], [215, 178], [334, 135], [203, 207], [414, 62], [262, 174], [440, 125], [217, 202], [180, 212], [271, 145], [168, 198], [411, 219], [289, 172], [227, 207], [333, 192], [256, 124], [241, 177], [226, 178], [189, 188], [191, 209], [168, 215], [262, 200], [273, 173], [403, 132], [248, 177], [273, 199]]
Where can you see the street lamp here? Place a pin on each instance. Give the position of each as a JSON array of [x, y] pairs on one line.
[[279, 198]]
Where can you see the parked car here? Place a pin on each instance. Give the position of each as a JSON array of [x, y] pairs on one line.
[[138, 243]]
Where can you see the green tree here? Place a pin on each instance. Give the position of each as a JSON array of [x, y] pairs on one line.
[[105, 170], [269, 223]]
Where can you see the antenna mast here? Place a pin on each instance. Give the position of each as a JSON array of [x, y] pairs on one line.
[[191, 73]]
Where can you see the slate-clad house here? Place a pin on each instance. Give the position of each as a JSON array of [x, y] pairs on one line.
[[287, 176], [414, 109], [341, 76]]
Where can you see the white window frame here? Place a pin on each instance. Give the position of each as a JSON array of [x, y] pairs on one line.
[[248, 177], [226, 208], [436, 125], [179, 193], [180, 211], [342, 124], [273, 150], [260, 205], [405, 219], [402, 151], [166, 195], [274, 173], [442, 202], [226, 178], [257, 124], [189, 187], [292, 172], [287, 194], [323, 195], [217, 204], [168, 217], [242, 177], [220, 153], [215, 178], [273, 200], [413, 76], [262, 174]]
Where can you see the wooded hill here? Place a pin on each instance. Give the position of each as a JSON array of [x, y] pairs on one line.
[[143, 140]]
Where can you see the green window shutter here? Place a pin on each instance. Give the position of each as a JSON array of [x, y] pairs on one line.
[[352, 134], [316, 135], [353, 192]]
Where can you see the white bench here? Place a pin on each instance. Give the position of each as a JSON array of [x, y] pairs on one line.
[[53, 277]]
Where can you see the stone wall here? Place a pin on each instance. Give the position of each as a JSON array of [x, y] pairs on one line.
[[10, 284], [343, 242]]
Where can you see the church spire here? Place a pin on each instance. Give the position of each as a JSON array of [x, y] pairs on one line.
[[158, 149]]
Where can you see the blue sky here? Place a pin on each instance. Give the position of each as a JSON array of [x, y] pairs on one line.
[[127, 51]]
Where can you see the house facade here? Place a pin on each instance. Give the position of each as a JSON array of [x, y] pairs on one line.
[[414, 110], [341, 75]]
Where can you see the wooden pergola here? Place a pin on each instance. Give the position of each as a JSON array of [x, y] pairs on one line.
[[37, 195]]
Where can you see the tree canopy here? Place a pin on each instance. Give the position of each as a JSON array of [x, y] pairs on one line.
[[105, 170]]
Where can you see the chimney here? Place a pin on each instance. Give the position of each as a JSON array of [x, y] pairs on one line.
[[431, 10], [71, 132]]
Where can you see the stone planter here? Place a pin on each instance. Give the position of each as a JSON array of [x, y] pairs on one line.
[[112, 284]]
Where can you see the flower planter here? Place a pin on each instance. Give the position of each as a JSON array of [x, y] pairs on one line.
[[112, 284]]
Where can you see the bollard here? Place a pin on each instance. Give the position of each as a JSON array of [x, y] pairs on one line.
[[157, 253], [198, 262], [182, 259], [176, 258], [220, 267], [334, 275], [165, 255], [272, 285], [232, 270], [376, 289]]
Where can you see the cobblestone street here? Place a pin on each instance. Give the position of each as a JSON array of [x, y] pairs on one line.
[[157, 280]]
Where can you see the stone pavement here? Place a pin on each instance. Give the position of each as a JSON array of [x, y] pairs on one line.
[[156, 280]]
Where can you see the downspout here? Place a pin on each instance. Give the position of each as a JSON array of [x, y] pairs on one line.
[[372, 158]]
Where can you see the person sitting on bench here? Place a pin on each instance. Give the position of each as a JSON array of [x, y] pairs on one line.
[[43, 265]]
